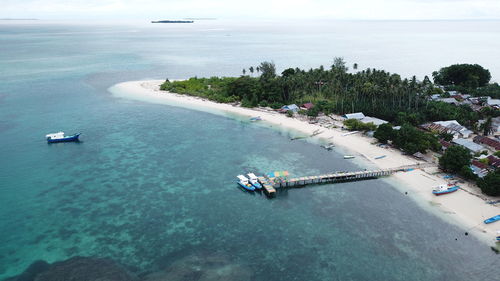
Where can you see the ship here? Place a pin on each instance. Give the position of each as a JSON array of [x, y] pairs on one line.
[[172, 21]]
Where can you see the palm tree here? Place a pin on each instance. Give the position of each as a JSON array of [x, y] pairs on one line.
[[355, 66], [487, 127], [244, 71], [251, 69]]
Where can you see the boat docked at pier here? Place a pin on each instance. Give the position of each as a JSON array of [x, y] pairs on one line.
[[254, 180], [245, 183], [444, 189], [60, 137]]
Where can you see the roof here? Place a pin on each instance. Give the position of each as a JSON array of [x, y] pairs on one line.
[[492, 102], [242, 178], [474, 147], [494, 161], [444, 143], [480, 172], [252, 176], [292, 107], [479, 164], [373, 120], [448, 100], [357, 115], [308, 105], [489, 142]]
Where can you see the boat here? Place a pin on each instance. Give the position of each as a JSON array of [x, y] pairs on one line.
[[254, 180], [492, 219], [498, 236], [444, 189], [348, 156], [172, 21], [380, 157], [243, 182], [256, 118], [60, 137], [328, 146]]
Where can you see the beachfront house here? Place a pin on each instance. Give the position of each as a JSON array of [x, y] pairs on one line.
[[290, 107], [450, 127], [373, 120], [357, 115], [473, 147], [479, 168]]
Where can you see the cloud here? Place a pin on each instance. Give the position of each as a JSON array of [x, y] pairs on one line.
[[336, 9]]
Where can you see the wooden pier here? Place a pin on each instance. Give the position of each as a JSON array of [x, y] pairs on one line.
[[271, 184]]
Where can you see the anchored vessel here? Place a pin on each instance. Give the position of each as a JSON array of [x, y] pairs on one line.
[[444, 189], [172, 21], [244, 182], [254, 180], [60, 137]]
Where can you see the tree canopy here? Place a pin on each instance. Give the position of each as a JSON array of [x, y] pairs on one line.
[[466, 75], [490, 184], [455, 158]]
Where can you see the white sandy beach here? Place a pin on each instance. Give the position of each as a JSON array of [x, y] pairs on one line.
[[467, 208]]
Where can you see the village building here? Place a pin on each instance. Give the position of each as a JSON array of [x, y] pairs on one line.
[[473, 147]]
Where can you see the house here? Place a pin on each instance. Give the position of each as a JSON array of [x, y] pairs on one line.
[[479, 168], [445, 144], [495, 144], [373, 120], [473, 147], [358, 115], [449, 127], [307, 106], [449, 100], [291, 107], [494, 161], [493, 102]]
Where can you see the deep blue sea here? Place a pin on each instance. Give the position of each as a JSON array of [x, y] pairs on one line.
[[153, 186]]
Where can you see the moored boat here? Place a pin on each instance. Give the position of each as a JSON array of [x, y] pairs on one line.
[[256, 118], [444, 189], [348, 156], [243, 182], [492, 219], [254, 180], [380, 157], [60, 137]]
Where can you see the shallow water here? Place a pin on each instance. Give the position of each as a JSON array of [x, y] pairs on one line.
[[153, 186]]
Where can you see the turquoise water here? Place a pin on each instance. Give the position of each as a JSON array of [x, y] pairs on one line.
[[152, 186]]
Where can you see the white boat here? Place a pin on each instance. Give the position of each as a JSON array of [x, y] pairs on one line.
[[61, 137], [348, 156], [254, 180], [244, 182]]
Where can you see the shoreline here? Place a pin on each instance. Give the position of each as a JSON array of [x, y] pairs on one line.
[[417, 184]]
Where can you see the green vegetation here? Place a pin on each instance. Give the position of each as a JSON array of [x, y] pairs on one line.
[[490, 184], [412, 140], [456, 159], [356, 125], [408, 138], [468, 76], [384, 133]]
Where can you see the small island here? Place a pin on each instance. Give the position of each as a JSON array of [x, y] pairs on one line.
[[172, 21]]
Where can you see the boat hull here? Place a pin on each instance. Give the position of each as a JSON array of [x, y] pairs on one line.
[[257, 185], [73, 138], [248, 187], [492, 219], [450, 190]]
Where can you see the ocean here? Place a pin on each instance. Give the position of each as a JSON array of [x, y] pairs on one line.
[[153, 188]]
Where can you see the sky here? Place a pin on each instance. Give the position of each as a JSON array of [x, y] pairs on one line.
[[269, 9]]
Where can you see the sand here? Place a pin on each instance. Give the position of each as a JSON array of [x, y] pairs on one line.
[[467, 208]]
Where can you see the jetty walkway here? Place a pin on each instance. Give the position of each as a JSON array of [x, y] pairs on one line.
[[271, 184]]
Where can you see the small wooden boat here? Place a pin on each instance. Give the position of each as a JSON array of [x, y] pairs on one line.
[[348, 156], [243, 182], [380, 157], [254, 180], [328, 146], [492, 219], [60, 137], [256, 118], [444, 189]]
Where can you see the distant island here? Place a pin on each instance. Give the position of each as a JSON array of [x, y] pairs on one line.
[[17, 19], [172, 21]]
